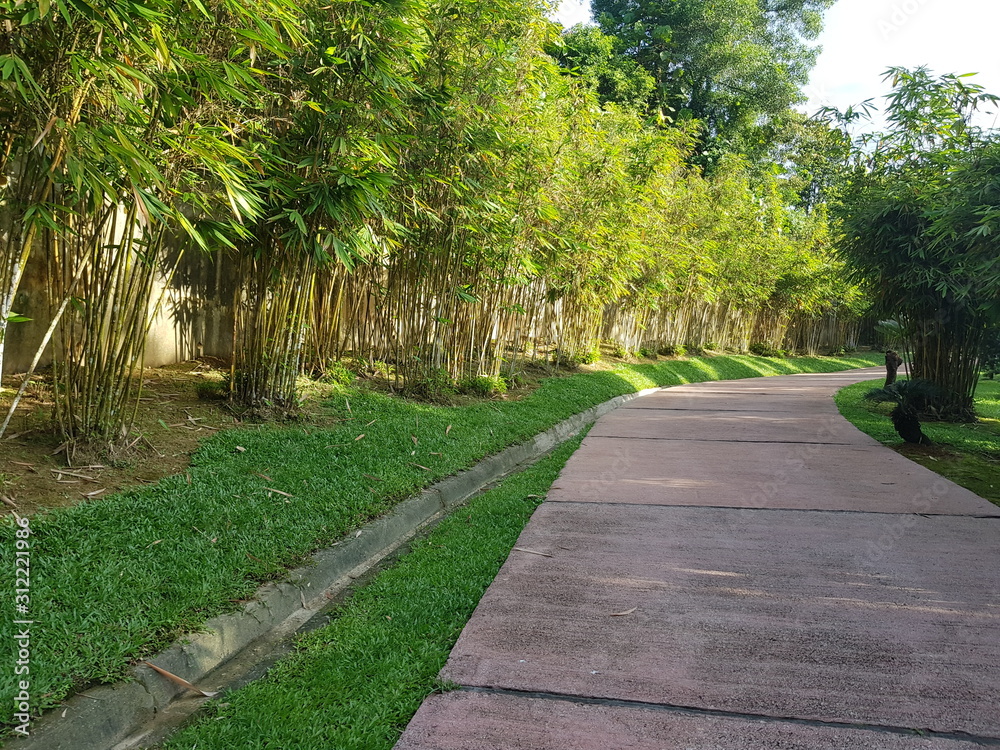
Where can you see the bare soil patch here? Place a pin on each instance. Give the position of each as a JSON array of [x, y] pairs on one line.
[[38, 471]]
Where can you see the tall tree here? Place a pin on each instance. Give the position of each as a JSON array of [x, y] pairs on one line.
[[811, 156], [731, 65], [595, 56]]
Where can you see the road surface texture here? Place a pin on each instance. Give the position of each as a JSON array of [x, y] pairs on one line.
[[733, 565]]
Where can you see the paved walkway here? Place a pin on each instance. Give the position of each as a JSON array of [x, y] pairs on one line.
[[732, 565]]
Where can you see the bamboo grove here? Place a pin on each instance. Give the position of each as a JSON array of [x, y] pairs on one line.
[[409, 182]]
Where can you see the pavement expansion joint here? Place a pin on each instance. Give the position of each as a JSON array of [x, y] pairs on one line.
[[991, 517], [721, 440], [985, 741], [713, 410]]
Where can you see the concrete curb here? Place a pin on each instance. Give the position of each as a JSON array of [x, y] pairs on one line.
[[108, 715]]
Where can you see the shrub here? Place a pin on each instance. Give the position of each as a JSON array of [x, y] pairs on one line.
[[619, 351], [672, 350], [337, 373], [580, 357], [913, 399], [765, 350], [483, 385], [433, 385]]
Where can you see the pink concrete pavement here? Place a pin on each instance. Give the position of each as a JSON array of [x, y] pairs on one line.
[[473, 721], [718, 571]]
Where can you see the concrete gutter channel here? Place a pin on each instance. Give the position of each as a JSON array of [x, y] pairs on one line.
[[130, 714]]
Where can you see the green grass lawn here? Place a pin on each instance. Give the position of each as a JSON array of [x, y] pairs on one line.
[[357, 682], [118, 579], [967, 454]]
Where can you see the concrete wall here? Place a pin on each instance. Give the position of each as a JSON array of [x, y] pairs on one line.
[[195, 316]]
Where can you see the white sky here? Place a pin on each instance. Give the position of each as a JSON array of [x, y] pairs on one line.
[[862, 38]]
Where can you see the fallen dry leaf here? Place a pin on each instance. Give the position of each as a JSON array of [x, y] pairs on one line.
[[178, 680], [95, 493], [420, 467], [359, 437], [626, 612], [271, 489], [414, 439], [447, 430], [240, 449], [76, 474], [377, 479]]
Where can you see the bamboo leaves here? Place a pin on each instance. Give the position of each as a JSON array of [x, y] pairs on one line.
[[415, 184], [140, 112], [918, 225]]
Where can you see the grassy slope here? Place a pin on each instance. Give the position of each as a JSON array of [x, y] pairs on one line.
[[119, 579], [968, 454], [356, 682]]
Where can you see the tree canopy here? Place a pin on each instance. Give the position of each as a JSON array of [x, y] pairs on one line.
[[596, 56], [734, 66]]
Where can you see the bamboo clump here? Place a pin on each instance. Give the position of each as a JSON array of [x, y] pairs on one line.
[[415, 188]]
